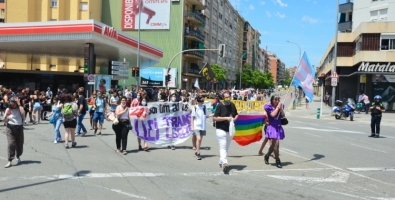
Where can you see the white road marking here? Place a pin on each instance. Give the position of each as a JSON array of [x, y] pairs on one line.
[[1, 158], [288, 150], [327, 130], [336, 177], [311, 134], [127, 194], [281, 170], [366, 169], [369, 148]]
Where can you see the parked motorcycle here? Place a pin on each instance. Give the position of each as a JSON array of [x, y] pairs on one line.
[[345, 111], [360, 108]]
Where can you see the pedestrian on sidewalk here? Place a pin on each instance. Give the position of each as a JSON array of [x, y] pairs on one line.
[[198, 124], [307, 103], [70, 114], [82, 108], [58, 118], [274, 131], [121, 129], [365, 100], [377, 109], [14, 119], [100, 112], [225, 113]]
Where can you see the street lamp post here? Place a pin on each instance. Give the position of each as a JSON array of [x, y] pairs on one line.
[[300, 57]]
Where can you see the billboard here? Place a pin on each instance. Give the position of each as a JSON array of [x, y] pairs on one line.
[[154, 14], [155, 77], [102, 83]]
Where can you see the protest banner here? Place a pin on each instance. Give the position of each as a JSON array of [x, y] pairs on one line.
[[162, 123]]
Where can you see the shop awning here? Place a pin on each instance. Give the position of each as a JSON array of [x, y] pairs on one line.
[[25, 42]]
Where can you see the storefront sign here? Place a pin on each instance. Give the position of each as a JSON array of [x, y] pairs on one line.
[[380, 78], [155, 76], [155, 14], [362, 78], [110, 32], [366, 67], [162, 123]]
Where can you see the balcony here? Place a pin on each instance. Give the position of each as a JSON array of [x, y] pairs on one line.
[[197, 3], [344, 26], [346, 7], [195, 17], [195, 35], [192, 70], [194, 54]]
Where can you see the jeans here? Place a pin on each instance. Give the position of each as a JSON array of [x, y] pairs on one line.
[[15, 139], [375, 124], [57, 125], [80, 125], [367, 108], [121, 135], [224, 140]]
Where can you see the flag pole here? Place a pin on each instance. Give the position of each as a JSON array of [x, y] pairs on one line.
[[293, 77]]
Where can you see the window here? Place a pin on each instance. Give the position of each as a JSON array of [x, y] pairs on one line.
[[387, 42], [379, 15], [84, 6], [54, 3], [383, 14], [53, 20], [1, 1]]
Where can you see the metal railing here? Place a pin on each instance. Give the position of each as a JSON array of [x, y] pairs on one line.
[[196, 34], [196, 53], [196, 15]]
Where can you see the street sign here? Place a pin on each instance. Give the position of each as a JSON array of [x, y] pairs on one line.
[[120, 72], [91, 83], [91, 78], [334, 74], [117, 77], [119, 63], [334, 82], [116, 67]]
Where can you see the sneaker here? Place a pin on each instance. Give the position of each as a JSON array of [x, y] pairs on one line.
[[225, 168], [125, 152], [118, 151], [197, 156], [99, 133], [73, 144], [18, 161], [140, 148], [34, 122], [8, 164], [372, 135], [173, 147], [95, 131], [55, 142], [377, 136], [77, 135], [83, 134], [66, 146]]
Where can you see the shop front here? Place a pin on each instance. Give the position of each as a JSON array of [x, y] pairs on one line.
[[373, 78]]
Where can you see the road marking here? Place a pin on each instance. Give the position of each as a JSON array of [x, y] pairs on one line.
[[288, 150], [311, 134], [336, 177], [327, 130], [366, 169], [117, 191], [281, 170], [369, 148]]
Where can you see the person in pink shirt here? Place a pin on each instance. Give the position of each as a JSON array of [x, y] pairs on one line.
[[136, 101], [365, 100]]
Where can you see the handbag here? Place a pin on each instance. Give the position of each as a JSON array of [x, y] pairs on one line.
[[52, 120], [284, 121], [232, 129]]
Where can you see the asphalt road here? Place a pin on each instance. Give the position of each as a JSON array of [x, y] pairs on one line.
[[322, 159]]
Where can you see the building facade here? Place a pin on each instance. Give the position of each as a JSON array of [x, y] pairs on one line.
[[366, 54], [273, 65], [2, 11]]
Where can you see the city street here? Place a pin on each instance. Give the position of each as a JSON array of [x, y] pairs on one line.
[[322, 159]]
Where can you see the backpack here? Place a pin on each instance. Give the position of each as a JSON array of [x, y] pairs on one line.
[[67, 111], [204, 109]]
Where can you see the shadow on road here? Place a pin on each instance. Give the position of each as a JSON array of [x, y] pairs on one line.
[[237, 167], [283, 164], [316, 157], [80, 147], [26, 162]]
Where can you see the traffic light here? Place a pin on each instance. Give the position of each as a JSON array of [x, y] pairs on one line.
[[222, 51], [133, 72], [137, 72], [168, 78]]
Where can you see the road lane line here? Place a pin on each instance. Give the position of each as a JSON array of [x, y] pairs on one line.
[[117, 191], [281, 170], [327, 130], [366, 169], [311, 134], [368, 148], [288, 150]]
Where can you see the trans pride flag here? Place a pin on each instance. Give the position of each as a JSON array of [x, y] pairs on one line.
[[304, 77], [248, 129]]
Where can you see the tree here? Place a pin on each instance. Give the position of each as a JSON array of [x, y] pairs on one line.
[[247, 76], [268, 80], [219, 72], [287, 81], [256, 79]]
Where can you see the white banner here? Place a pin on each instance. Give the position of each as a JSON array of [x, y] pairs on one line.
[[162, 123]]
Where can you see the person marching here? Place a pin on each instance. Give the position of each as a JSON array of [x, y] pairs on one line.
[[377, 109], [14, 119], [70, 114], [100, 112], [225, 113], [198, 124], [121, 129]]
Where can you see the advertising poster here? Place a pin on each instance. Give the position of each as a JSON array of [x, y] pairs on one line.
[[383, 78], [155, 14], [102, 83], [387, 92], [152, 77], [162, 123]]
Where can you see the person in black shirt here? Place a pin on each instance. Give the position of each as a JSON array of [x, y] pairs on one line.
[[376, 109], [224, 114], [82, 107]]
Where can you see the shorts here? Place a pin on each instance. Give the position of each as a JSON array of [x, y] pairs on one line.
[[199, 132], [91, 112], [98, 117], [37, 106], [70, 124]]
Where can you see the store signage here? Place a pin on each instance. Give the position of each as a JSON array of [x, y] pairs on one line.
[[110, 32], [366, 67]]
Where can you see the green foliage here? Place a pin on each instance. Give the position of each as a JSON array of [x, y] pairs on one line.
[[219, 72], [287, 81], [255, 79]]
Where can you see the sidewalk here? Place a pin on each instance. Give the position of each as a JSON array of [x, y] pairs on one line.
[[311, 112]]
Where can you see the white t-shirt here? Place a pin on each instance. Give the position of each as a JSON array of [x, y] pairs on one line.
[[199, 120], [114, 100]]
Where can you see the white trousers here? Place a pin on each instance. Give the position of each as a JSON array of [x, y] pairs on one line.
[[223, 142]]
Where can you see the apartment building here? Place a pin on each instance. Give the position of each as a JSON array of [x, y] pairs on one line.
[[365, 51], [280, 71], [292, 71], [265, 60]]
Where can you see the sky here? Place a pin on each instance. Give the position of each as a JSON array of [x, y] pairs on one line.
[[309, 23]]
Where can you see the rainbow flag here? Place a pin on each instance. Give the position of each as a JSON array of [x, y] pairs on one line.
[[248, 129]]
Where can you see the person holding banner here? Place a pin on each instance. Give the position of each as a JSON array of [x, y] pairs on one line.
[[224, 114], [121, 129], [143, 102]]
